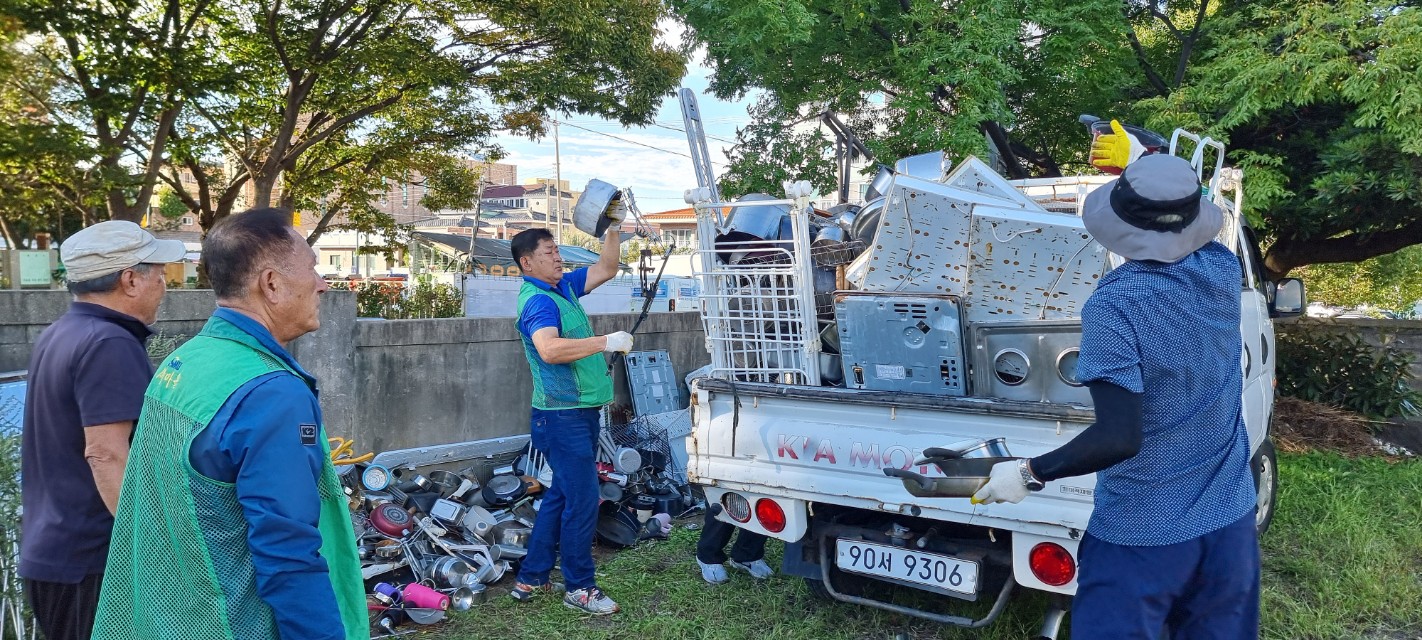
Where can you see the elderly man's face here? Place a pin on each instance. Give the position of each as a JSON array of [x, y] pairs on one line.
[[148, 287], [296, 308]]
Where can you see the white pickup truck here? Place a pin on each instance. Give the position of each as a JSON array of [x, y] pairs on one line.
[[953, 319]]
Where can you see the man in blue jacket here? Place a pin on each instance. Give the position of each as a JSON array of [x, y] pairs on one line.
[[232, 523]]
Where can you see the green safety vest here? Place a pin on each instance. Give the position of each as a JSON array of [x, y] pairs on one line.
[[579, 384], [179, 564]]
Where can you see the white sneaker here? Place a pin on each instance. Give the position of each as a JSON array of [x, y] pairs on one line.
[[758, 569], [591, 600], [713, 573]]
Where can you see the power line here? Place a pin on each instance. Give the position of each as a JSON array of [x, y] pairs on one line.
[[640, 144], [718, 139]]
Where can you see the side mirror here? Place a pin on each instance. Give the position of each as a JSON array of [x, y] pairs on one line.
[[1288, 300]]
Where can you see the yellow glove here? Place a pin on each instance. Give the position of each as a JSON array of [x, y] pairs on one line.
[[1116, 149]]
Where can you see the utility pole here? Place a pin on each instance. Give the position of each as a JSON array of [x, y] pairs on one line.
[[557, 183]]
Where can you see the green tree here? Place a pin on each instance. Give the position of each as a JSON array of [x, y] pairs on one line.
[[326, 95], [42, 185], [124, 70], [1319, 101], [768, 152], [1387, 282]]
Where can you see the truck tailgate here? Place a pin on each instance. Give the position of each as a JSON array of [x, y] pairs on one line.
[[824, 444]]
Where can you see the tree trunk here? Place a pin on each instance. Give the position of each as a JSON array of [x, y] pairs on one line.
[[12, 239]]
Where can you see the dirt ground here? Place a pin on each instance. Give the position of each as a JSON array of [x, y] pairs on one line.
[[1301, 426]]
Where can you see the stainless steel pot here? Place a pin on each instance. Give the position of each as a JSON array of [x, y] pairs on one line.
[[883, 181], [590, 212], [866, 223]]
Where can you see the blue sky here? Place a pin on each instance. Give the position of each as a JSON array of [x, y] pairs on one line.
[[653, 161]]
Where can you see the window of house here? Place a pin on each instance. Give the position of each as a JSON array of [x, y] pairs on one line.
[[405, 193], [336, 261], [185, 220], [384, 190], [682, 238]]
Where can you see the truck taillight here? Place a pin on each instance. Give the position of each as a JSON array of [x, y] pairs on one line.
[[770, 515], [737, 507], [1052, 564]]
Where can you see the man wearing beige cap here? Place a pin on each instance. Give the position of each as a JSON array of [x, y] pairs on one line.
[[87, 375]]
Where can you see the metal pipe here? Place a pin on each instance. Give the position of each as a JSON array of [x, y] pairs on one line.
[[1051, 623]]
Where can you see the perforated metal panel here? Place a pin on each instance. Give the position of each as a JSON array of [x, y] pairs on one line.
[[974, 175], [901, 343], [922, 244], [1030, 266]]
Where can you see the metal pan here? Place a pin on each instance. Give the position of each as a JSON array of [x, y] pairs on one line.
[[962, 477]]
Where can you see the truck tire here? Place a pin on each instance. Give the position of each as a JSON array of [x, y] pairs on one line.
[[817, 589], [1265, 466]]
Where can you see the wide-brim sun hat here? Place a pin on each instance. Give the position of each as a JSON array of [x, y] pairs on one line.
[[1154, 211]]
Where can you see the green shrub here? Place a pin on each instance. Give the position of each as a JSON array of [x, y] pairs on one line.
[[1339, 368], [390, 300]]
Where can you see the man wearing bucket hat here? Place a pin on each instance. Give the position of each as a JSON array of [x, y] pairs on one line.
[[232, 522], [1172, 541], [570, 386], [86, 379]]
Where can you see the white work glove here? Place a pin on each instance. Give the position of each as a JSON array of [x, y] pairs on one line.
[[620, 341], [1004, 485], [1111, 152], [617, 211]]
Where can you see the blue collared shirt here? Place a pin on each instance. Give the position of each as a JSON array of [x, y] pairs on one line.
[[541, 312], [1170, 332], [254, 442]]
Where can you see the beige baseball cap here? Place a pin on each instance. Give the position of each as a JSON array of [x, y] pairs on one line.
[[112, 246]]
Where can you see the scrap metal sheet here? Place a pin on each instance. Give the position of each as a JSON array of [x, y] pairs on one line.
[[1027, 265]]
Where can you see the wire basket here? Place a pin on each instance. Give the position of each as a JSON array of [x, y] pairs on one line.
[[647, 435]]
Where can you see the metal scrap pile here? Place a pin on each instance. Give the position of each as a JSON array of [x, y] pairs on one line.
[[431, 540]]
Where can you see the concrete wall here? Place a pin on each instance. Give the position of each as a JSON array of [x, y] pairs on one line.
[[24, 314], [1405, 335], [392, 384], [458, 379]]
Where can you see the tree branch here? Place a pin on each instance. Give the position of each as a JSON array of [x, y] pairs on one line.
[[1157, 82], [1289, 253], [1189, 44]]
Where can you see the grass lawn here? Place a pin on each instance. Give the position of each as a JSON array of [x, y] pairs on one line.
[[1343, 560]]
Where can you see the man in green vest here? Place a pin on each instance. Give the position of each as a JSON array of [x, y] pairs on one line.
[[231, 522], [570, 385]]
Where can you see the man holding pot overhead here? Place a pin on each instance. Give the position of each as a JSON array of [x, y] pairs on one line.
[[571, 383]]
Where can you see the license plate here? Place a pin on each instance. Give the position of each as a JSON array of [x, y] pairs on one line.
[[906, 565]]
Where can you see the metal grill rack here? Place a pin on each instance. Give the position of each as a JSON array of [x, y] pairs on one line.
[[758, 301]]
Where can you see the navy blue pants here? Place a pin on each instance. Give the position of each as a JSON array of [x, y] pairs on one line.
[[1206, 588], [711, 548], [568, 516]]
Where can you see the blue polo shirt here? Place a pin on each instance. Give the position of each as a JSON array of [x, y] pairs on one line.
[[540, 312], [1171, 333], [254, 441], [89, 368]]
